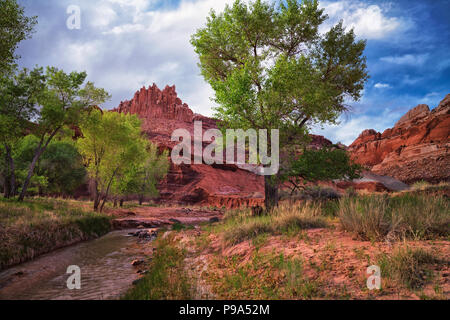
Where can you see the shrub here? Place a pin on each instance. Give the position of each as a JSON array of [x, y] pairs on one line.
[[406, 216], [407, 266], [286, 219]]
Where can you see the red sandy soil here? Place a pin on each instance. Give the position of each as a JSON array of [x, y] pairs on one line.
[[331, 256]]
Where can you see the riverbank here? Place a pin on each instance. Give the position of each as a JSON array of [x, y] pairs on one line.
[[314, 251], [41, 225]]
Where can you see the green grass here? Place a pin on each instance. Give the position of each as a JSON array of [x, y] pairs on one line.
[[410, 216], [40, 225], [409, 267], [166, 278], [265, 276], [290, 220]]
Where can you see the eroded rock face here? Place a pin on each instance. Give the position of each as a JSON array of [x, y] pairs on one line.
[[416, 148], [227, 186], [154, 103]]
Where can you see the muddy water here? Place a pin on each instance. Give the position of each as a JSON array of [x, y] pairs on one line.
[[106, 271]]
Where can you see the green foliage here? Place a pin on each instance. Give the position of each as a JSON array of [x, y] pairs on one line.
[[285, 219], [142, 176], [322, 165], [59, 171], [37, 226], [270, 68], [410, 267], [14, 27], [18, 97], [111, 147], [167, 278], [61, 103]]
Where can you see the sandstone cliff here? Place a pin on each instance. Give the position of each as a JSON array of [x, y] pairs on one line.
[[162, 112], [416, 148]]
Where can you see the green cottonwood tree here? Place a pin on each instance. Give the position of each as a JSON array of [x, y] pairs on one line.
[[14, 27], [142, 177], [61, 103], [111, 144], [271, 68], [18, 96]]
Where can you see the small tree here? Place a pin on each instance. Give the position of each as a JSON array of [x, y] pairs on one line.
[[110, 145], [61, 104], [271, 68], [322, 165]]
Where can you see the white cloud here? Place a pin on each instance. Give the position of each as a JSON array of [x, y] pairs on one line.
[[382, 85], [407, 59], [368, 21], [350, 128]]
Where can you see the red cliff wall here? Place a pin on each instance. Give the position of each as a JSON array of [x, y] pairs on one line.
[[416, 148]]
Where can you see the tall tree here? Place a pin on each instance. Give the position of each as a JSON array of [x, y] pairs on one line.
[[271, 68], [60, 105], [14, 27], [18, 95], [111, 144]]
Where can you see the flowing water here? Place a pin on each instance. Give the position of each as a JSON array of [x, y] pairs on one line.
[[106, 271]]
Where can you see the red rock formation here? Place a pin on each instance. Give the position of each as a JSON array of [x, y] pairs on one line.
[[416, 148], [163, 112], [154, 103]]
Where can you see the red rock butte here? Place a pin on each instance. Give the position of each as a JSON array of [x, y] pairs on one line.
[[416, 148], [162, 112]]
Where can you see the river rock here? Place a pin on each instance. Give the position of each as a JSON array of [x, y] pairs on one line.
[[136, 263]]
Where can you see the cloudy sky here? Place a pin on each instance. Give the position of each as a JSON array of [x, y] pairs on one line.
[[126, 44]]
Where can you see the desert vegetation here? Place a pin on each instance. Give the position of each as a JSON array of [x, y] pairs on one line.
[[40, 225], [298, 250]]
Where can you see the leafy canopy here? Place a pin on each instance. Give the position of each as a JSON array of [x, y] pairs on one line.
[[142, 177], [271, 68], [323, 165], [111, 146], [14, 27]]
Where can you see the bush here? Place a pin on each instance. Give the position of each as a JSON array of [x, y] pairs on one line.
[[286, 219], [406, 216], [407, 266]]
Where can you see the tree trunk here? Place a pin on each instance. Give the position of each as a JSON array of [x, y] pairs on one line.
[[105, 198], [30, 174], [40, 149], [6, 186], [141, 200], [121, 203], [115, 203], [96, 201], [271, 193]]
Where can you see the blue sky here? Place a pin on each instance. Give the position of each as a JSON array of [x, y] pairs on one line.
[[126, 44]]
